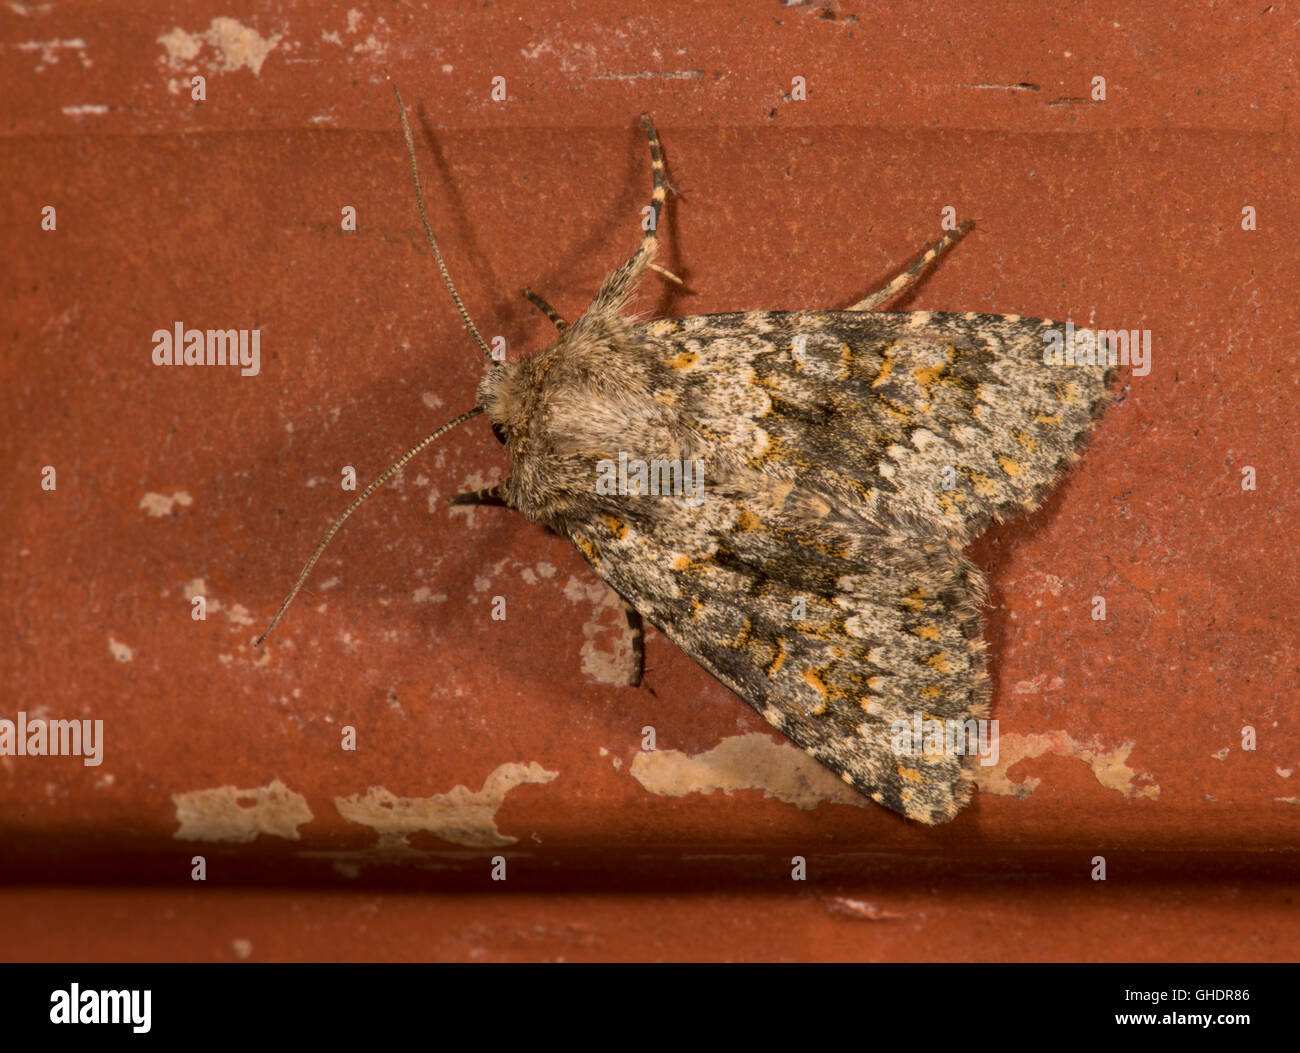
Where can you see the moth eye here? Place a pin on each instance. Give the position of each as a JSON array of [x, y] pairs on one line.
[[499, 432]]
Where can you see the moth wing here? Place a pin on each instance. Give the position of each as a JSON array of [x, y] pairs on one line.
[[951, 419], [832, 627]]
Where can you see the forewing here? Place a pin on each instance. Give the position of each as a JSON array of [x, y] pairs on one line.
[[832, 628], [950, 419]]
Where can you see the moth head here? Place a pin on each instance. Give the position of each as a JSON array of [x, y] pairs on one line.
[[502, 396]]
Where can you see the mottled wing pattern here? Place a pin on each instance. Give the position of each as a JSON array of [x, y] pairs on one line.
[[949, 419], [831, 627]]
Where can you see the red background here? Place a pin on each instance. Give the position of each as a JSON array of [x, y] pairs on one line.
[[226, 213]]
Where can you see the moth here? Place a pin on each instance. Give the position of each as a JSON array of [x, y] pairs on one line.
[[811, 556]]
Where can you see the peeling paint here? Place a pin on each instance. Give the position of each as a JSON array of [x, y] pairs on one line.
[[472, 482], [859, 908], [652, 74], [50, 50], [161, 505], [461, 816], [236, 46], [607, 650], [1038, 685], [1109, 766], [119, 650], [571, 56], [484, 582], [744, 762], [228, 813], [237, 614], [532, 575]]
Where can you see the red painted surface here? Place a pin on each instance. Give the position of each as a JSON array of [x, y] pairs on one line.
[[226, 213]]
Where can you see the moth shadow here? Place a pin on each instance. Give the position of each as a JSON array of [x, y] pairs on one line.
[[505, 308], [992, 551], [614, 225], [904, 300]]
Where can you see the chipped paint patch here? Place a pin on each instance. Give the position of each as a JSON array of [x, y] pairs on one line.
[[228, 813], [1109, 766], [236, 46], [161, 505], [1038, 685], [243, 949], [483, 582], [119, 650], [607, 649], [859, 908], [461, 816], [50, 50], [744, 762], [472, 482], [237, 614]]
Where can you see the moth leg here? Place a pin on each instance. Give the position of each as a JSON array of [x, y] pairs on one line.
[[488, 496], [636, 625], [910, 275], [545, 308], [666, 273], [618, 285]]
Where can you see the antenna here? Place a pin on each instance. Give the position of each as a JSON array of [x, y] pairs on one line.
[[392, 469], [388, 474], [428, 231]]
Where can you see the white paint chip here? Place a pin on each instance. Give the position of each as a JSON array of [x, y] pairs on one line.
[[235, 46], [607, 648], [1109, 766], [744, 762], [461, 816], [159, 505], [228, 813]]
